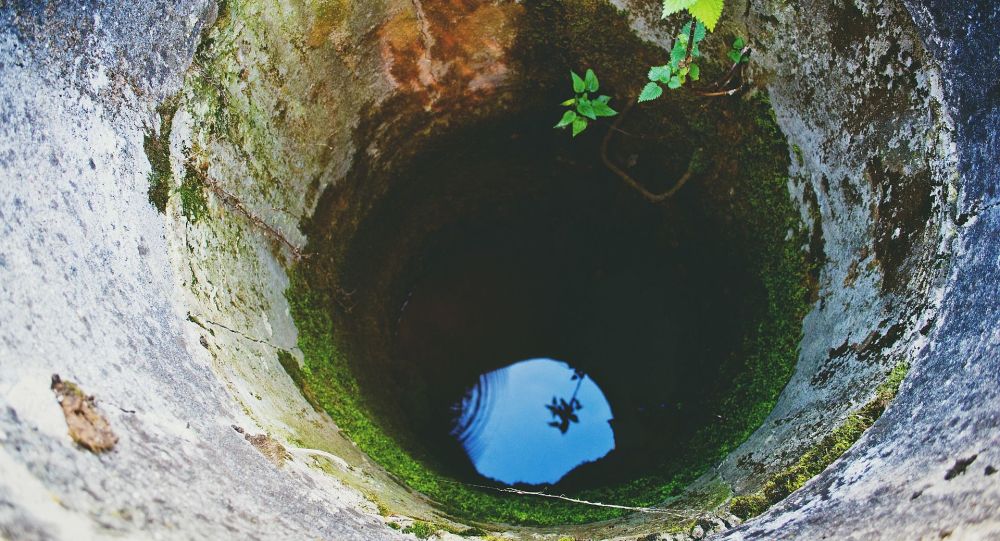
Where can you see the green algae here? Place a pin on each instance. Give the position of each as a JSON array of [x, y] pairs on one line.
[[157, 148], [194, 203]]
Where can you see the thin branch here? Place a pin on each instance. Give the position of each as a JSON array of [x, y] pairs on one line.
[[234, 202], [623, 132], [729, 92], [616, 127], [722, 83], [649, 510], [343, 298], [634, 184]]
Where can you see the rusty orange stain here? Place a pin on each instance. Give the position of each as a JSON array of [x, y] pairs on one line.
[[450, 50]]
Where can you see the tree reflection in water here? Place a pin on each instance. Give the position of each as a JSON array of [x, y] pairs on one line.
[[509, 438], [565, 411]]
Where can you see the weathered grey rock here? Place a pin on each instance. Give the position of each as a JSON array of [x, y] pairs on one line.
[[901, 481], [88, 293], [174, 326]]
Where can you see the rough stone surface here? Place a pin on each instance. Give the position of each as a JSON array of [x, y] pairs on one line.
[[905, 478], [875, 175], [174, 326], [86, 291]]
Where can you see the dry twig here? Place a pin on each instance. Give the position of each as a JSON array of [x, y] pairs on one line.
[[234, 202], [649, 510]]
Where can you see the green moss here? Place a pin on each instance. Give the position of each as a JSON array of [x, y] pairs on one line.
[[194, 204], [815, 460], [291, 366], [157, 148], [421, 530]]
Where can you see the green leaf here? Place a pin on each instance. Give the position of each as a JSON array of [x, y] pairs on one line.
[[673, 6], [650, 92], [567, 119], [603, 99], [695, 72], [738, 44], [679, 52], [591, 80], [674, 82], [699, 30], [578, 85], [586, 108], [568, 102], [602, 109], [707, 11], [579, 125], [660, 73], [734, 56]]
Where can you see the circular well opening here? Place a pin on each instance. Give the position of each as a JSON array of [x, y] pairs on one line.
[[496, 245]]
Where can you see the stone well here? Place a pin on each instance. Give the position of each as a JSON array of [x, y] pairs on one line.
[[179, 181]]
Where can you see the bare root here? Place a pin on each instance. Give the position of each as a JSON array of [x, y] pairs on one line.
[[631, 182], [234, 202]]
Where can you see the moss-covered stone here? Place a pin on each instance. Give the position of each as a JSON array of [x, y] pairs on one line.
[[194, 203], [421, 530], [291, 366], [157, 147], [815, 460]]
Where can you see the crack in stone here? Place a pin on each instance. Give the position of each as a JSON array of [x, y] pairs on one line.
[[201, 322]]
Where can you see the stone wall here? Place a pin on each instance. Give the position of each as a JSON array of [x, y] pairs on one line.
[[175, 325]]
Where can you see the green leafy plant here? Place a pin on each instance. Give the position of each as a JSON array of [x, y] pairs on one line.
[[583, 109], [681, 66], [738, 53]]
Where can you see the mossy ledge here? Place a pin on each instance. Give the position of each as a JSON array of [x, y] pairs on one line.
[[816, 460]]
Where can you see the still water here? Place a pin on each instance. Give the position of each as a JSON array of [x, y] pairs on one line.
[[498, 316], [533, 422]]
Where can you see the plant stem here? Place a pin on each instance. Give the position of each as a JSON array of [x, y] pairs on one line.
[[687, 57]]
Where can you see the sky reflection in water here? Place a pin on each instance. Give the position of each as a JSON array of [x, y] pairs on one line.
[[514, 433]]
